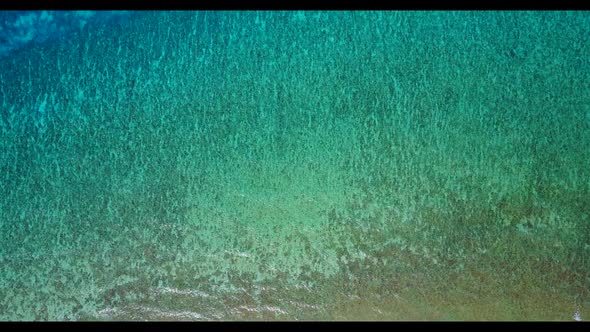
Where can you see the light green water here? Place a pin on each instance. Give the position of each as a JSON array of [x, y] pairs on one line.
[[300, 165]]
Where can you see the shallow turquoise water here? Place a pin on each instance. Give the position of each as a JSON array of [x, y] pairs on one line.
[[299, 165]]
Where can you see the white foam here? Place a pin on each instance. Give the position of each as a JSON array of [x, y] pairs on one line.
[[189, 292], [577, 315]]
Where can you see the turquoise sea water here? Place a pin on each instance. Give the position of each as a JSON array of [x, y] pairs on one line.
[[299, 165]]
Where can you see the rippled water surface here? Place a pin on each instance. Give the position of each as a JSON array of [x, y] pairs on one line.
[[299, 166]]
